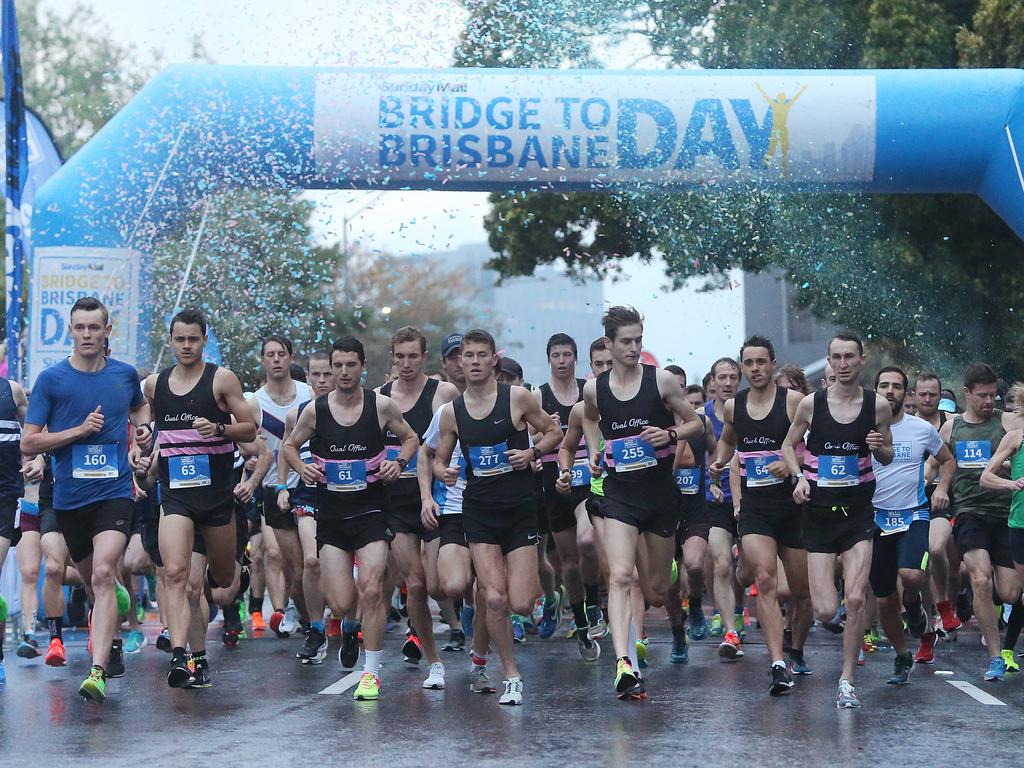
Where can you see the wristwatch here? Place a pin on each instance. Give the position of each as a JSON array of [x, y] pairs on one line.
[[403, 463], [672, 434], [220, 429], [536, 452]]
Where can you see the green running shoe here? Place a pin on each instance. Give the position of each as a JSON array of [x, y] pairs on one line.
[[1011, 663], [94, 688], [368, 688], [716, 626]]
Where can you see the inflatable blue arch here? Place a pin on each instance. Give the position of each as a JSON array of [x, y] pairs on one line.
[[195, 130]]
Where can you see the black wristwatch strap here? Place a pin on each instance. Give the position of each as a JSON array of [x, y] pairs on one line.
[[403, 463]]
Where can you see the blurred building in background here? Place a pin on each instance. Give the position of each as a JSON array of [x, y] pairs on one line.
[[523, 312], [770, 310]]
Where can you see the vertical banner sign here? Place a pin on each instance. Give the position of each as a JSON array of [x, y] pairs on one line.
[[61, 276], [16, 153]]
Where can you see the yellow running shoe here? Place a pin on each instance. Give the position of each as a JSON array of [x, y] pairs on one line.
[[94, 688], [625, 679], [641, 652], [1011, 663], [368, 688]]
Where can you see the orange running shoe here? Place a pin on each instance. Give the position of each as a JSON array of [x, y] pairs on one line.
[[258, 625], [731, 647], [56, 656]]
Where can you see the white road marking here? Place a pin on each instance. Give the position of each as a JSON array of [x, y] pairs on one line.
[[343, 685], [976, 693], [944, 672]]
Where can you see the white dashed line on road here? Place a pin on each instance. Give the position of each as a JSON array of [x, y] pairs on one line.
[[976, 693]]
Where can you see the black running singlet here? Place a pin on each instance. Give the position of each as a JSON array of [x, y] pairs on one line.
[[549, 462], [490, 478], [406, 488], [837, 462], [350, 458], [195, 471], [759, 443]]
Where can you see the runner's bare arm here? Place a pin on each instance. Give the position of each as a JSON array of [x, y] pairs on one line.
[[304, 427], [390, 417], [990, 478], [687, 423]]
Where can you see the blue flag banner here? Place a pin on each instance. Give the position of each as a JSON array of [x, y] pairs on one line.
[[16, 153]]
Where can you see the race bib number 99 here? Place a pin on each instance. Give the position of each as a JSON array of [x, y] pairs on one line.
[[489, 460], [973, 454], [758, 475], [632, 453], [838, 472], [188, 471], [345, 476], [94, 462], [580, 473]]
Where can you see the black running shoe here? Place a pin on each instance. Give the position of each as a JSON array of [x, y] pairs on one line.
[[917, 618], [456, 641], [200, 675], [179, 675], [115, 664], [314, 648], [781, 681], [348, 654], [163, 641], [901, 669]]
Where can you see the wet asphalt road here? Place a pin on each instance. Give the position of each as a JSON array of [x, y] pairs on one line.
[[265, 706]]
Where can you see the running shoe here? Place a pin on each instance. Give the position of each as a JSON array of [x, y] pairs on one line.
[[200, 674], [56, 656], [518, 630], [456, 641], [926, 653], [950, 621], [276, 619], [731, 647], [996, 670], [590, 649], [3, 674], [290, 623], [258, 624], [598, 625], [179, 675], [680, 653], [917, 619], [134, 641], [901, 669], [797, 664], [699, 626], [314, 648], [513, 694], [28, 648], [368, 688], [781, 681], [163, 640], [1009, 661], [626, 680], [435, 679], [94, 687], [846, 698], [480, 681], [115, 662], [641, 652], [333, 627], [716, 625], [466, 619], [412, 651], [551, 617], [348, 653]]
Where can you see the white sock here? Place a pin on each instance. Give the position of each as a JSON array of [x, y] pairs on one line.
[[371, 661], [779, 663]]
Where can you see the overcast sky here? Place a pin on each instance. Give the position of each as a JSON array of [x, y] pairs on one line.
[[686, 327]]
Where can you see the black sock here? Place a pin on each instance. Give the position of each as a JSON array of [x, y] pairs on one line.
[[55, 624], [178, 655], [255, 603], [199, 657], [579, 614], [1014, 626], [457, 607], [232, 611], [695, 605], [592, 594], [678, 631]]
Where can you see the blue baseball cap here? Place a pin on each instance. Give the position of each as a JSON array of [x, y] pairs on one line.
[[452, 343]]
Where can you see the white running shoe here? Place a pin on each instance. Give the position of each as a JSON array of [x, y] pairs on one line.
[[513, 692], [435, 680], [290, 623]]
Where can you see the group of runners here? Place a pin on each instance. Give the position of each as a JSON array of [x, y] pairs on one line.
[[508, 506]]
